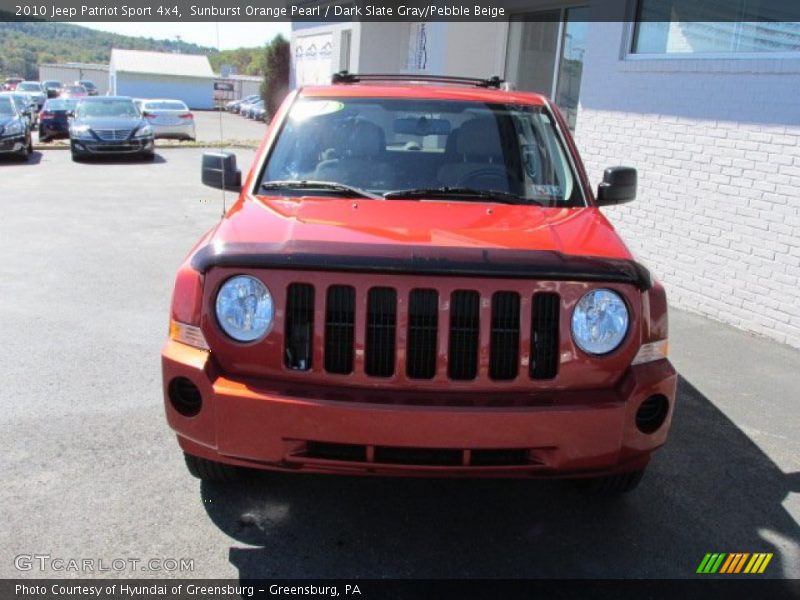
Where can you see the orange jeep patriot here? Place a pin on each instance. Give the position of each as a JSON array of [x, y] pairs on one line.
[[416, 280]]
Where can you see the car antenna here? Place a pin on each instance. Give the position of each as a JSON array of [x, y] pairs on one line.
[[221, 139]]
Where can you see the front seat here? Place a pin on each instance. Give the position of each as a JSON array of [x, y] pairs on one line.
[[360, 158], [478, 154]]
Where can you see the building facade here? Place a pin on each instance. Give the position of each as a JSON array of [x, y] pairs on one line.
[[186, 77], [706, 111]]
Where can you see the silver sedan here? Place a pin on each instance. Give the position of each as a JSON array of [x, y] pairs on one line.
[[170, 119]]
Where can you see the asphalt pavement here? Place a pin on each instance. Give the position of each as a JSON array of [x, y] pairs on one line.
[[91, 469]]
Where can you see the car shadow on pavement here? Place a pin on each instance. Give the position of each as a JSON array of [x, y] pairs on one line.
[[34, 159], [711, 489]]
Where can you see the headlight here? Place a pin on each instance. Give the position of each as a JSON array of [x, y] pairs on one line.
[[13, 129], [244, 308], [144, 131], [599, 321], [81, 132]]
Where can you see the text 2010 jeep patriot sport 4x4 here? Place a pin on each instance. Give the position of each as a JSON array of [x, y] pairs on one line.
[[417, 280]]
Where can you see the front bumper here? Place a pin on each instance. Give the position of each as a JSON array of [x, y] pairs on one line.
[[276, 426], [13, 144], [96, 147]]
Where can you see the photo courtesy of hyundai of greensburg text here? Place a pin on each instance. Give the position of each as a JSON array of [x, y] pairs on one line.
[[400, 299]]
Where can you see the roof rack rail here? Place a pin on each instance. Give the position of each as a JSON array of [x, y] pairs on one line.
[[345, 77]]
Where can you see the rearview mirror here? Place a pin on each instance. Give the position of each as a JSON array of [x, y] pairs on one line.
[[618, 186], [219, 171]]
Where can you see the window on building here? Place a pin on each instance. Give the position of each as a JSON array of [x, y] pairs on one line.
[[545, 54], [344, 49], [746, 26]]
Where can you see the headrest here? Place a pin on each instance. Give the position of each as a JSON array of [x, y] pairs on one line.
[[365, 140], [479, 137]]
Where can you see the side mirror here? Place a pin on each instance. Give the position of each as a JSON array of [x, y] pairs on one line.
[[618, 186], [70, 114], [219, 171]]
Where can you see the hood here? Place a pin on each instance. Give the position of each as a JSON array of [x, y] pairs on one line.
[[110, 122], [279, 221]]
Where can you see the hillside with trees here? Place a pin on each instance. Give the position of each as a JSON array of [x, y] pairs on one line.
[[24, 45]]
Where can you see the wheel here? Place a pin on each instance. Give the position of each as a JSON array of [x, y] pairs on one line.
[[209, 470], [30, 145], [611, 485], [25, 153], [150, 156]]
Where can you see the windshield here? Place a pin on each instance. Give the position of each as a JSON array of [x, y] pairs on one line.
[[387, 146], [6, 107], [29, 87], [165, 105], [52, 84], [87, 84], [106, 108]]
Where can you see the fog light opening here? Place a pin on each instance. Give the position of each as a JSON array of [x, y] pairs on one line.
[[185, 396], [652, 413]]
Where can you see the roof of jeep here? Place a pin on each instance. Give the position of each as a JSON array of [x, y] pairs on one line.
[[426, 91]]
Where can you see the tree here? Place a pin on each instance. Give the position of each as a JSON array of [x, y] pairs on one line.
[[276, 74]]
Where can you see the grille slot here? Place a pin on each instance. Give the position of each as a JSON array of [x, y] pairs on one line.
[[500, 457], [423, 328], [504, 345], [544, 336], [339, 329], [417, 456], [464, 335], [381, 332], [299, 331], [329, 451]]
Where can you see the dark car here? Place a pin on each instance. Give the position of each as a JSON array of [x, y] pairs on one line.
[[91, 88], [109, 125], [54, 118], [15, 135], [25, 106], [52, 88]]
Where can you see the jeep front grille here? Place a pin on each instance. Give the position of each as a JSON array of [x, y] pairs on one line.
[[402, 335]]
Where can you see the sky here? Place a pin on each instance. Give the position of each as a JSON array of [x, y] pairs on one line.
[[231, 35]]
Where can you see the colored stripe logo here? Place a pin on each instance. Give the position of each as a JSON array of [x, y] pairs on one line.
[[734, 562]]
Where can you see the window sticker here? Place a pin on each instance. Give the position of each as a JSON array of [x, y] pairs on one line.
[[547, 191], [308, 109]]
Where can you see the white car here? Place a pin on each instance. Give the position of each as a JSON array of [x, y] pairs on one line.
[[170, 119]]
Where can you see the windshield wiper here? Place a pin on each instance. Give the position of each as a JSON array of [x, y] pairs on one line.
[[459, 193], [292, 184]]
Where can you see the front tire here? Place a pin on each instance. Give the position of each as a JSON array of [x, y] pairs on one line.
[[209, 470], [25, 154]]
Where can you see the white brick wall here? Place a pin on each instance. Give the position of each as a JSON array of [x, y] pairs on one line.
[[717, 146]]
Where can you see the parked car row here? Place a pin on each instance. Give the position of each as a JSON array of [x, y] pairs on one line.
[[252, 107], [94, 125]]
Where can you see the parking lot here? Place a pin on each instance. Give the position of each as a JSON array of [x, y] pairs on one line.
[[92, 470]]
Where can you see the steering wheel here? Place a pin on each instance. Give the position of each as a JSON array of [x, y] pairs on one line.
[[487, 178]]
